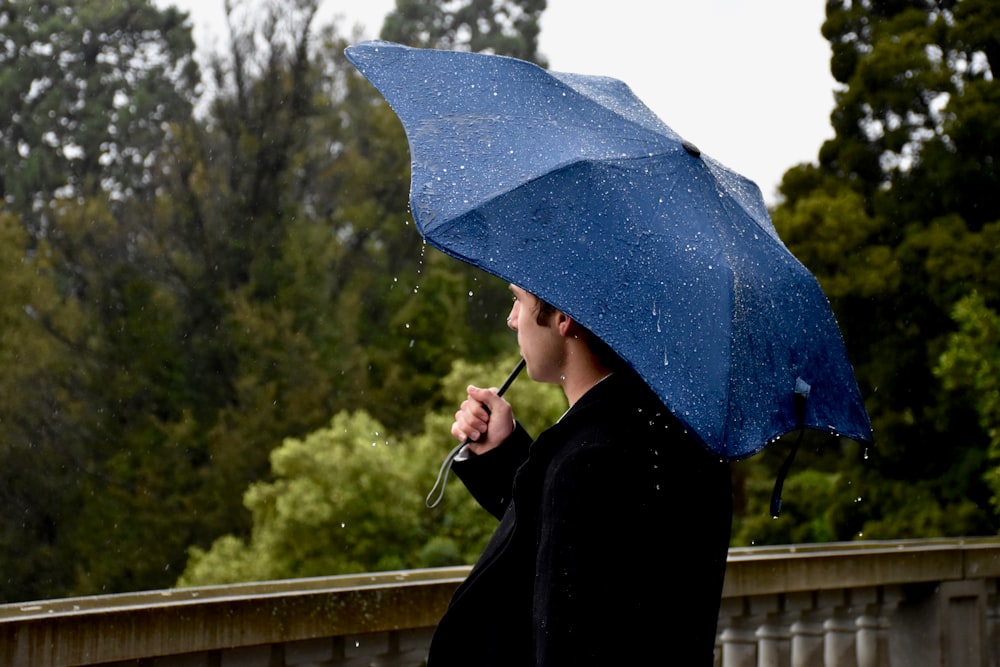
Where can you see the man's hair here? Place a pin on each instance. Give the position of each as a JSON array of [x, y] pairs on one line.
[[544, 311], [608, 357]]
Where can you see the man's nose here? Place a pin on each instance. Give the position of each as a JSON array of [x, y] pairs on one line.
[[512, 318]]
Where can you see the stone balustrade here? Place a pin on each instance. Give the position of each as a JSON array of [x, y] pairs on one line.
[[917, 603], [867, 604]]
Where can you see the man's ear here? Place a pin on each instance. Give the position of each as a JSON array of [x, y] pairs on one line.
[[565, 324]]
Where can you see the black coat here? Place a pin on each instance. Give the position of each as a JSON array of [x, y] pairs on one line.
[[611, 547]]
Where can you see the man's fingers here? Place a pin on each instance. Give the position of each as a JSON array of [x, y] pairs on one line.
[[477, 413], [471, 421]]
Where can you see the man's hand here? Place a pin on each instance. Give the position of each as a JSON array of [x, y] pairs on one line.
[[484, 419]]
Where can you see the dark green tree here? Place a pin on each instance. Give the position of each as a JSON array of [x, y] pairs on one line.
[[349, 497], [188, 298], [899, 222], [502, 27], [88, 94], [970, 364], [37, 469], [87, 91]]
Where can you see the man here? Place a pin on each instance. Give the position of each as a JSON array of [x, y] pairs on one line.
[[614, 522]]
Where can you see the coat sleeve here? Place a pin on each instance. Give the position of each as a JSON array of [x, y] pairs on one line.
[[490, 476], [631, 559]]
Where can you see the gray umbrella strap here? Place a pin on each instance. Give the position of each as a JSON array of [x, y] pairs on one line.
[[801, 397], [442, 478]]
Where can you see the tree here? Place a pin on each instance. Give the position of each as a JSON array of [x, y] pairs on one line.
[[502, 27], [241, 277], [970, 364], [235, 279], [87, 92], [350, 498], [36, 469], [896, 222]]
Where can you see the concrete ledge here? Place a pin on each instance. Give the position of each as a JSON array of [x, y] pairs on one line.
[[770, 570], [392, 613], [109, 628]]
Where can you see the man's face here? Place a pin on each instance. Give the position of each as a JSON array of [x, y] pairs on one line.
[[541, 344]]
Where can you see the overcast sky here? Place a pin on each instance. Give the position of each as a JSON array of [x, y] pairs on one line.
[[748, 82]]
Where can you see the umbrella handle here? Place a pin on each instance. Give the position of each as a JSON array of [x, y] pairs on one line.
[[442, 478]]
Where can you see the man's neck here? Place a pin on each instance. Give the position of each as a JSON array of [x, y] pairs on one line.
[[581, 376]]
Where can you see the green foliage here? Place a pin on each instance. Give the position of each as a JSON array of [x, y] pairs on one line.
[[503, 27], [185, 292], [341, 502], [350, 498], [970, 364], [33, 490], [86, 90], [806, 515], [898, 223]]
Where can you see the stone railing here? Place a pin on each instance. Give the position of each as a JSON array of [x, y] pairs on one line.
[[917, 603], [874, 604]]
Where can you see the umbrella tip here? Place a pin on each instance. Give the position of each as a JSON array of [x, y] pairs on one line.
[[691, 148]]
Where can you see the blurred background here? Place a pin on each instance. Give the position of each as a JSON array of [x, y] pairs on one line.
[[228, 356]]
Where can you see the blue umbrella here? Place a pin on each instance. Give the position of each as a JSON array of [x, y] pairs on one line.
[[568, 186]]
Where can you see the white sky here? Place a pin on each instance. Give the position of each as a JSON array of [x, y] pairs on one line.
[[747, 81]]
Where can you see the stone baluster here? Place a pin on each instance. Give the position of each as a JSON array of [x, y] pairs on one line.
[[993, 623], [774, 639], [738, 635], [868, 602], [807, 630], [873, 625], [840, 628]]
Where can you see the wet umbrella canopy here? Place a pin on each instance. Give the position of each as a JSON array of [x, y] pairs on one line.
[[568, 186]]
